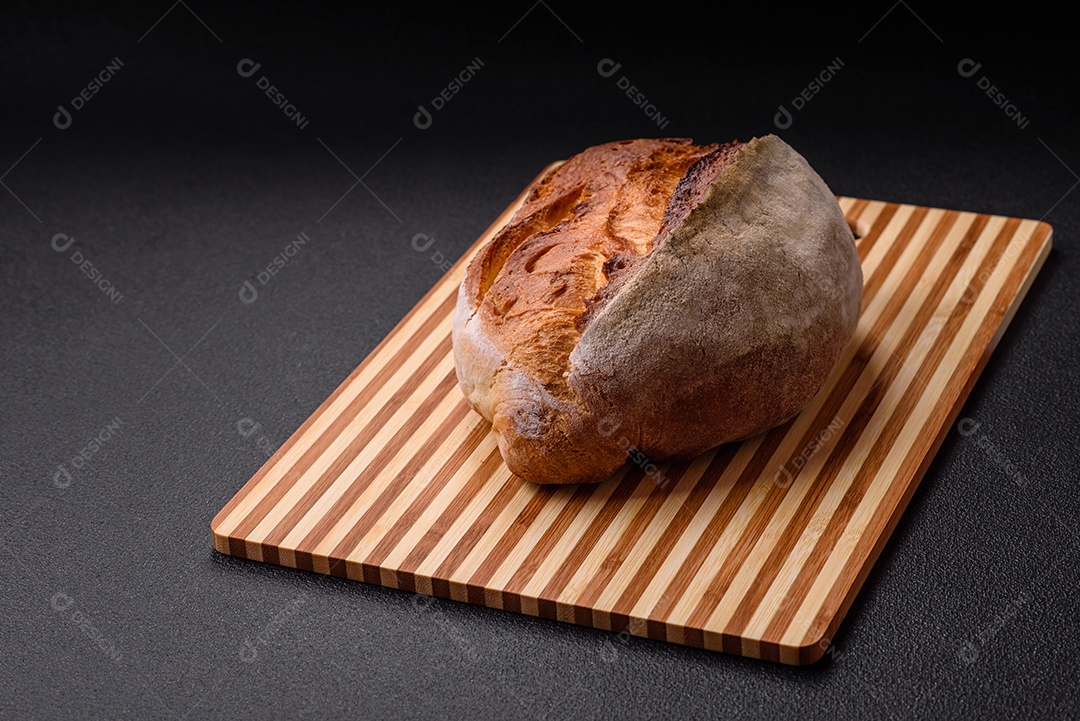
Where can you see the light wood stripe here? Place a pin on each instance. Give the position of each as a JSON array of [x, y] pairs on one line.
[[333, 453], [776, 609], [739, 505], [365, 517], [903, 361], [854, 449], [393, 480], [781, 500], [618, 616], [946, 398], [788, 523], [372, 559]]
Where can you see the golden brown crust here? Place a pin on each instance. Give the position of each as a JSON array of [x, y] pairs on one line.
[[579, 327], [582, 223]]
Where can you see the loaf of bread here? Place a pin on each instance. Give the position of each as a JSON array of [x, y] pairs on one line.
[[653, 299]]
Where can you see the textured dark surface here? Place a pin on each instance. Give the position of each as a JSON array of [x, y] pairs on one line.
[[179, 180]]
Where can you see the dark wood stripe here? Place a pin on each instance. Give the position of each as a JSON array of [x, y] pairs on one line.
[[355, 406], [510, 485], [546, 543], [873, 284], [856, 210], [453, 510], [355, 446], [425, 329], [877, 228], [394, 489], [961, 381], [765, 511], [349, 495], [409, 518], [632, 532], [509, 540], [660, 551], [630, 483], [237, 547], [867, 472], [850, 435]]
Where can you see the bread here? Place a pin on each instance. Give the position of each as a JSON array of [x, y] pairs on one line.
[[655, 298]]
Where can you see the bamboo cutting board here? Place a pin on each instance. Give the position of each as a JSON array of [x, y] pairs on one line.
[[755, 548]]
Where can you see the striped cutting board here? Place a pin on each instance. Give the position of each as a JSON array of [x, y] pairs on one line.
[[755, 548]]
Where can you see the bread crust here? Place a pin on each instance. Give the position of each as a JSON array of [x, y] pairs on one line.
[[656, 296]]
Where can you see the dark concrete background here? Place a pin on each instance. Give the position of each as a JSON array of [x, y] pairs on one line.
[[179, 180]]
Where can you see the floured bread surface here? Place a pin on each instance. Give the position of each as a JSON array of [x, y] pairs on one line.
[[658, 296]]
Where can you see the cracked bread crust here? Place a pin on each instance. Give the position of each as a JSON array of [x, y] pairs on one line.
[[658, 296]]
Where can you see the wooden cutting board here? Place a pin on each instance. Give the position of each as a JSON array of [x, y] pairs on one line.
[[755, 548]]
